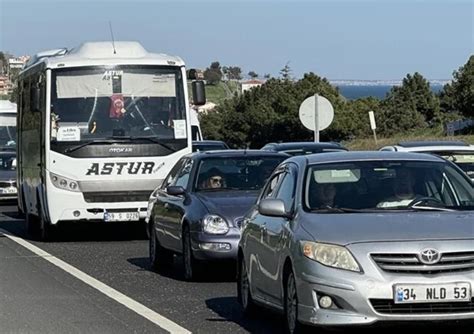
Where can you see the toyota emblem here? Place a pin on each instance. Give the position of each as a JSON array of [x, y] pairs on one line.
[[430, 256]]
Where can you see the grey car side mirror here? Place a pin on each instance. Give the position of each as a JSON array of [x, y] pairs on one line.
[[273, 208], [175, 190]]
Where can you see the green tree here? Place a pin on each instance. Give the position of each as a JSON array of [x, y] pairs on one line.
[[285, 72], [458, 96], [235, 73], [253, 74], [267, 76], [213, 74], [412, 105]]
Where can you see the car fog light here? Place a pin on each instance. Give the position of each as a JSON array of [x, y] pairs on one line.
[[218, 247], [325, 302], [76, 213]]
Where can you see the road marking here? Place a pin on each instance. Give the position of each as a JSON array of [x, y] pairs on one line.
[[119, 297]]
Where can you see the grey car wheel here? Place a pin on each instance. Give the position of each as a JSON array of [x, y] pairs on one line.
[[159, 256], [291, 305], [243, 289]]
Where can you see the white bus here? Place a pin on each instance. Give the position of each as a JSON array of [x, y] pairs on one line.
[[99, 127]]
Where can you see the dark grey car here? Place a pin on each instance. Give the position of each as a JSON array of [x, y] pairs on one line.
[[8, 184], [198, 209], [361, 237]]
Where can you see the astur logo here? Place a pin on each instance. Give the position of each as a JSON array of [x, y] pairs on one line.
[[120, 168]]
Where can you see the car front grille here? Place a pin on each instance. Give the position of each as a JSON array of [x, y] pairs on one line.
[[410, 263], [117, 196], [388, 306], [7, 184]]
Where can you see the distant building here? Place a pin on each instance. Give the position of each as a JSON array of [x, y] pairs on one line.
[[5, 85], [17, 63], [246, 85]]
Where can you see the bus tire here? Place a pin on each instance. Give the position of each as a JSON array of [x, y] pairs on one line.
[[32, 225]]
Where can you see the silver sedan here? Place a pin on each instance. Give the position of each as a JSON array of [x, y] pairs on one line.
[[361, 237]]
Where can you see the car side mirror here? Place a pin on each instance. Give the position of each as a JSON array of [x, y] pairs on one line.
[[175, 190], [273, 208]]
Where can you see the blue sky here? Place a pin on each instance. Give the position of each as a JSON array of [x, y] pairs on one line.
[[336, 39]]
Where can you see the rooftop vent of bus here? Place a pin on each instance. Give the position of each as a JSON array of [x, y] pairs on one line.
[[98, 50]]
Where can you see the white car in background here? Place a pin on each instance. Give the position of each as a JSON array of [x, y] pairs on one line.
[[459, 152]]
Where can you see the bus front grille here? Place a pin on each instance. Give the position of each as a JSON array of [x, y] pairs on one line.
[[117, 196]]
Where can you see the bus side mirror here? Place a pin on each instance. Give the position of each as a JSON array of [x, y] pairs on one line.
[[36, 100], [199, 93]]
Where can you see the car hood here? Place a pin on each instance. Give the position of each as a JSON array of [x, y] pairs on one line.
[[344, 229], [228, 204], [7, 175]]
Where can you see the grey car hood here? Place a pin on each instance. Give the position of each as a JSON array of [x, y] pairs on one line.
[[228, 204], [7, 175], [344, 229]]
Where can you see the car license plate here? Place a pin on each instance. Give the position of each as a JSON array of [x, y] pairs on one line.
[[432, 293], [9, 190], [121, 216]]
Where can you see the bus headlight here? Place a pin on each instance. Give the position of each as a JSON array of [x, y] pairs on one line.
[[64, 183]]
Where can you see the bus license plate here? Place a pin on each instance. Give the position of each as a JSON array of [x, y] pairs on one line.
[[432, 293], [121, 216]]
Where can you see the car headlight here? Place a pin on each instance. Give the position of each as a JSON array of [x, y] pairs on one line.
[[330, 255], [214, 224], [64, 183]]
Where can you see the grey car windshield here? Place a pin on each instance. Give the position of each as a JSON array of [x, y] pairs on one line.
[[392, 185], [97, 102], [242, 173]]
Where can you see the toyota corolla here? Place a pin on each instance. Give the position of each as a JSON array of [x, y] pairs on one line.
[[359, 238]]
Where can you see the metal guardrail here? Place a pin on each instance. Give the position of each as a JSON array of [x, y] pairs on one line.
[[453, 127]]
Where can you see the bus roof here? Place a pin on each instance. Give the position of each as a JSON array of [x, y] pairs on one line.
[[102, 53]]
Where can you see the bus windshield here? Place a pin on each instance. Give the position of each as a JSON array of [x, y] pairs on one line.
[[90, 103]]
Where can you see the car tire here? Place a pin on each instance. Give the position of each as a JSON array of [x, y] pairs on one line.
[[159, 256], [32, 225], [190, 264], [292, 325], [243, 289]]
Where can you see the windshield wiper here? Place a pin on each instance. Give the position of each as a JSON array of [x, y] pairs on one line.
[[151, 139], [90, 142], [335, 210], [429, 208]]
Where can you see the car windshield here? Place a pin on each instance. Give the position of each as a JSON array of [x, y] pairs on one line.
[[239, 173], [135, 101], [7, 162], [464, 160], [387, 185], [8, 129]]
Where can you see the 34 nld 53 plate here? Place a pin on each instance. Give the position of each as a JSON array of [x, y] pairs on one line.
[[432, 293]]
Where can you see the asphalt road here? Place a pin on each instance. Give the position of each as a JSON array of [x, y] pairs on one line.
[[38, 297]]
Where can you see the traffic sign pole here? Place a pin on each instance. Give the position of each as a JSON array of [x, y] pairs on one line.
[[316, 119]]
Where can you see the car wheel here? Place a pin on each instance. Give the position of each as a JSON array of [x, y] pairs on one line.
[[243, 289], [291, 305], [32, 224], [159, 256], [189, 262]]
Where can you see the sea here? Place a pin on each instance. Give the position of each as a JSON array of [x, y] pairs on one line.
[[353, 92]]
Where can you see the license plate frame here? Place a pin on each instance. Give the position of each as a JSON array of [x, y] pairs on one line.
[[127, 216], [422, 295]]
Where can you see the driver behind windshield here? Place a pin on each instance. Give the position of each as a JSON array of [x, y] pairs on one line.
[[403, 186]]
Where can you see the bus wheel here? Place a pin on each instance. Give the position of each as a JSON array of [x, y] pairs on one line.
[[47, 232]]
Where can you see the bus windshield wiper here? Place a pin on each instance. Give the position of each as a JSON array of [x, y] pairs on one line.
[[89, 142], [151, 139]]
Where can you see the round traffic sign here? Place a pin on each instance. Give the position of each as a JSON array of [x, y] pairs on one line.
[[325, 113]]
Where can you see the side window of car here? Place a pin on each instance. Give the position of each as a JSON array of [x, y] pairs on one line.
[[184, 173], [272, 185], [172, 174], [286, 190]]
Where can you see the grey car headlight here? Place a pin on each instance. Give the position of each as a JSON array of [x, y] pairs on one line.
[[214, 224], [64, 183], [330, 255]]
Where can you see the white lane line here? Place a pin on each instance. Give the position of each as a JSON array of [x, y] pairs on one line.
[[119, 297]]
